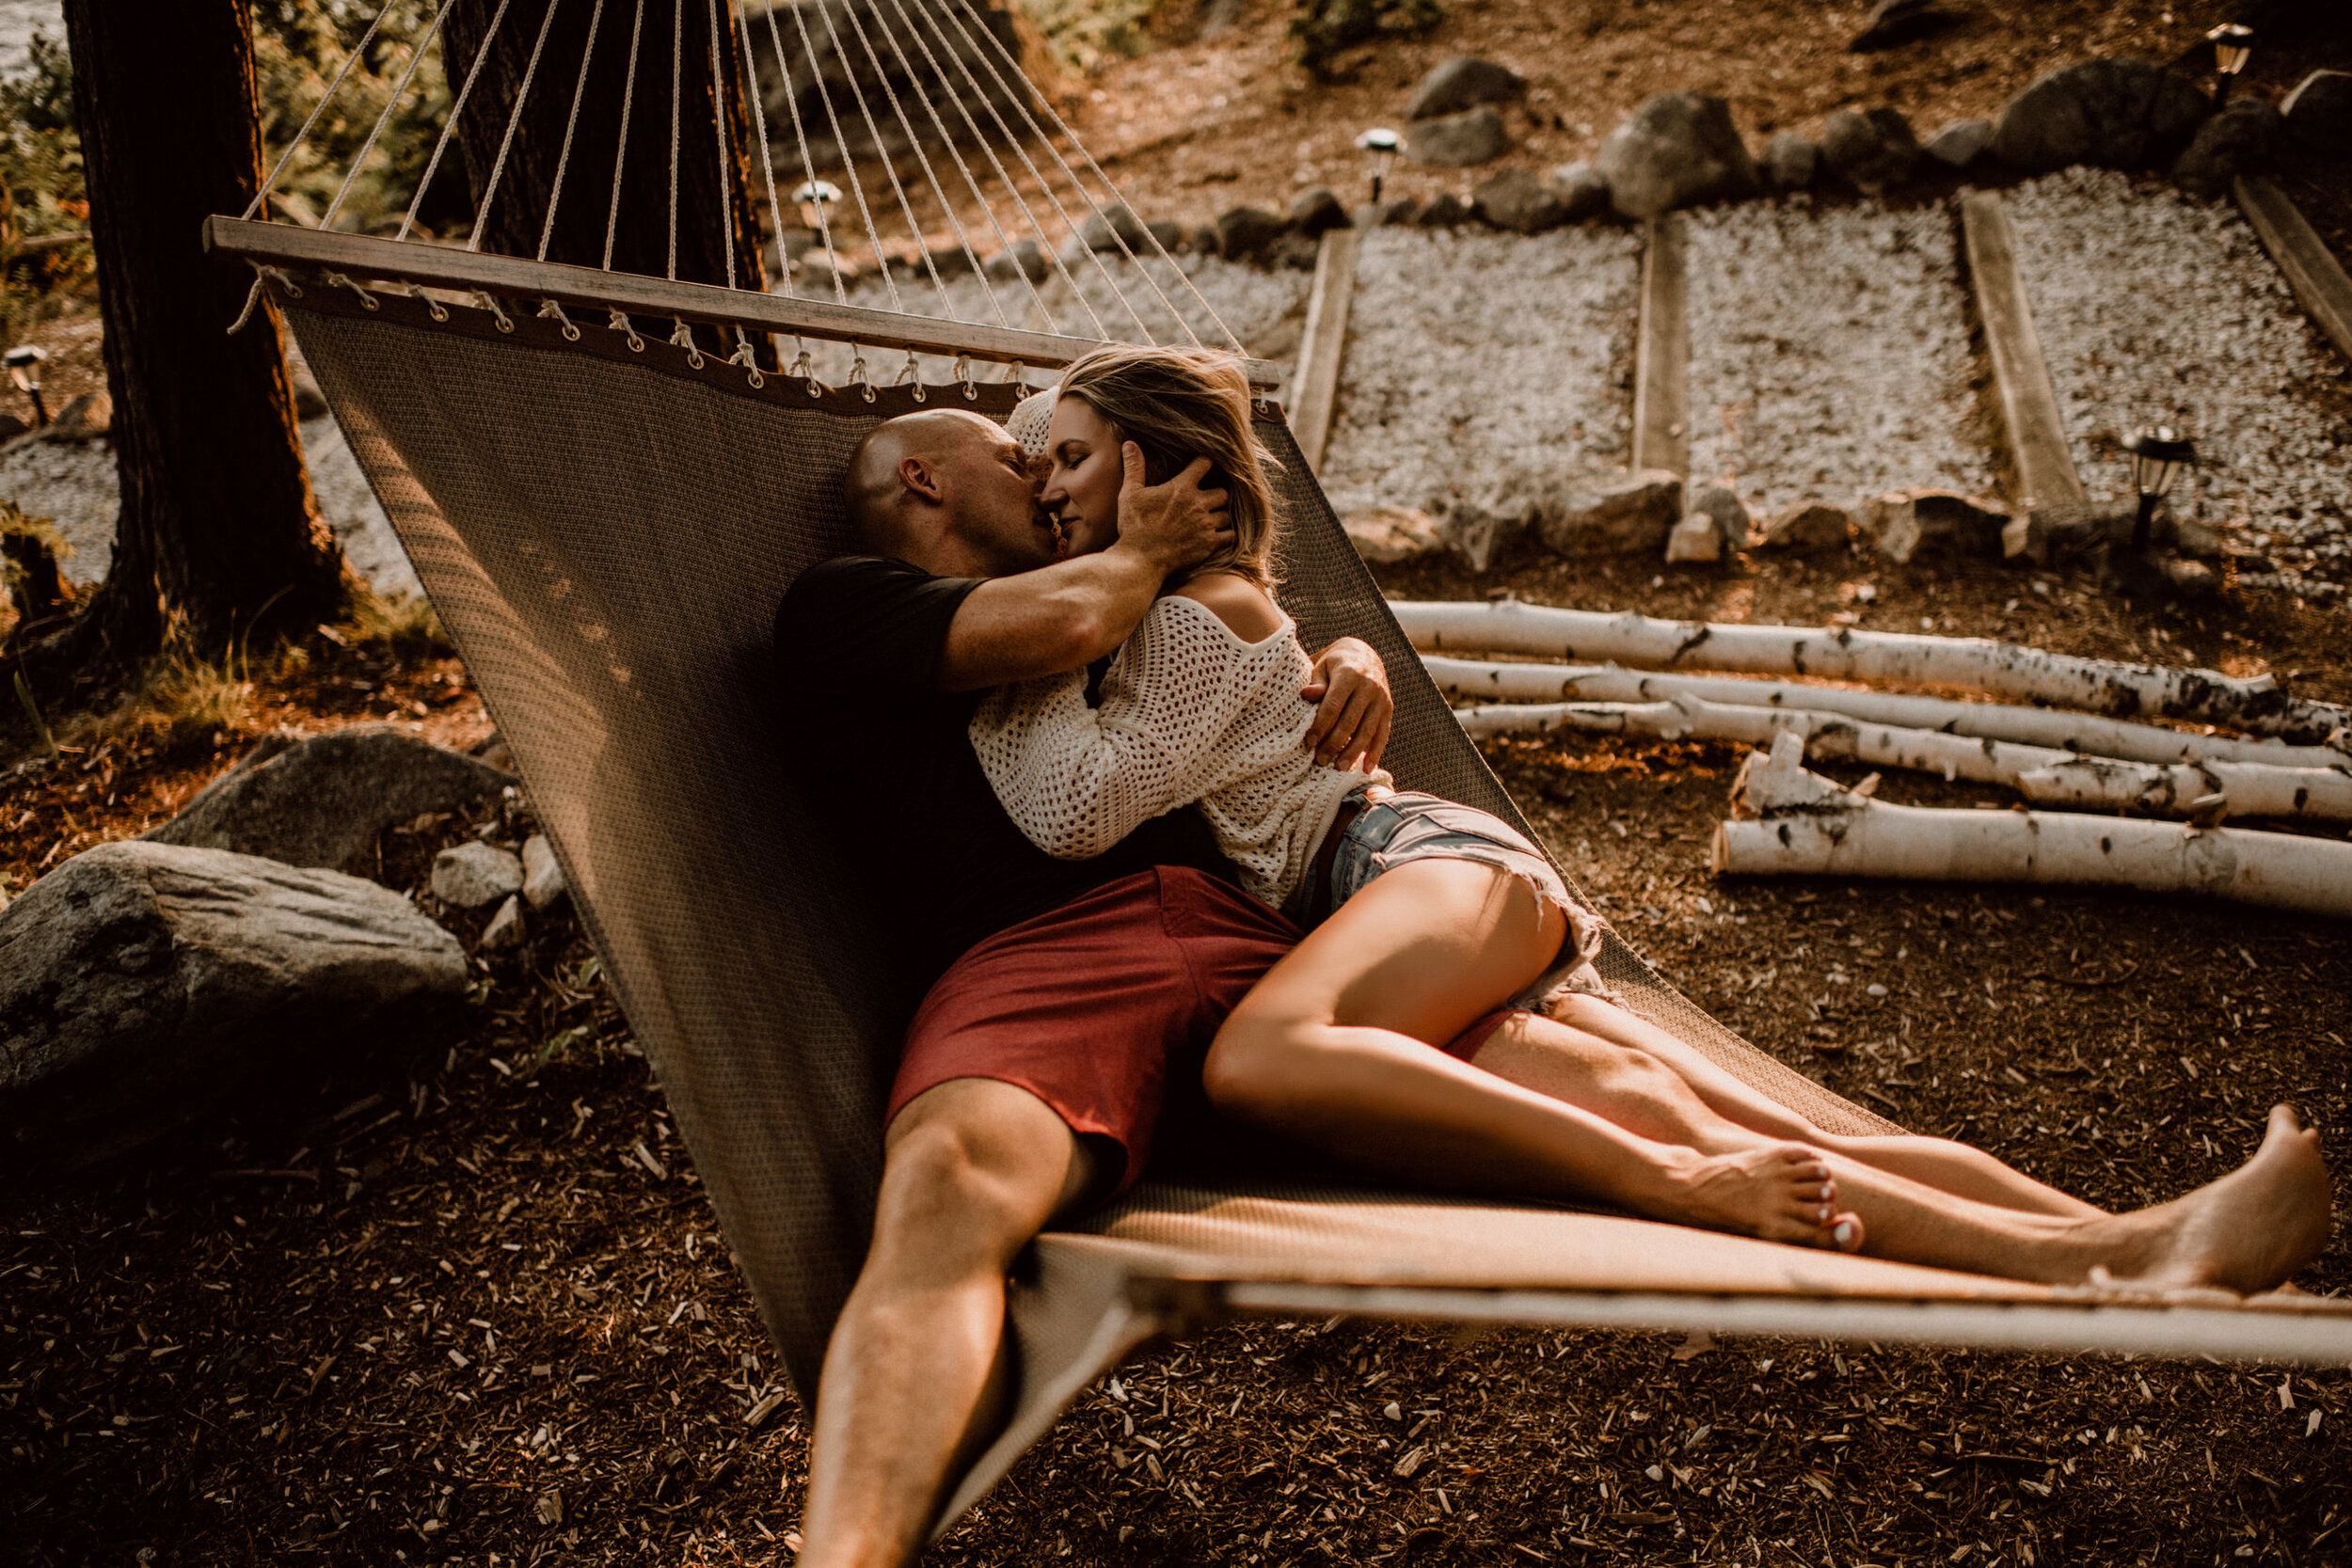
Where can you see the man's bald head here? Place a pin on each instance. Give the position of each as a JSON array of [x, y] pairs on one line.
[[878, 488]]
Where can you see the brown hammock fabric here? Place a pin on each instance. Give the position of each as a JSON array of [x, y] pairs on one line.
[[604, 531]]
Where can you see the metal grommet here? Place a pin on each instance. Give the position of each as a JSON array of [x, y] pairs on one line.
[[963, 378], [617, 320], [496, 311]]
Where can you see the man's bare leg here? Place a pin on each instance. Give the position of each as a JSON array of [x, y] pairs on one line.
[[972, 1170], [1519, 1053]]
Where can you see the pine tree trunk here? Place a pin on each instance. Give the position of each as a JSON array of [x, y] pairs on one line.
[[713, 201], [218, 525]]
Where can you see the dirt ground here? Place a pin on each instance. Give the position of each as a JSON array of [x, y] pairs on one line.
[[468, 1304]]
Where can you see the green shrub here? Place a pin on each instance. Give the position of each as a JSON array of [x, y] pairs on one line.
[[41, 188]]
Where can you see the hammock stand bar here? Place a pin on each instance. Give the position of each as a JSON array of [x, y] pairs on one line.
[[443, 266], [2302, 1333]]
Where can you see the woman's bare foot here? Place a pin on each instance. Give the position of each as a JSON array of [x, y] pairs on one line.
[[1778, 1191], [2246, 1232]]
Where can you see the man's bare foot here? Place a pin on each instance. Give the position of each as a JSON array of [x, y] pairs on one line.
[[1780, 1192], [2247, 1231]]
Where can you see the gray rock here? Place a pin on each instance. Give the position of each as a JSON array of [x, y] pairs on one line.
[[1249, 233], [1445, 211], [473, 873], [1024, 260], [1294, 249], [2236, 141], [1583, 190], [1520, 200], [1463, 82], [1386, 535], [1789, 162], [1394, 209], [1960, 143], [1723, 503], [1459, 141], [1476, 535], [1677, 148], [1894, 22], [1166, 234], [321, 802], [1316, 209], [2117, 114], [143, 985], [1695, 540], [505, 929], [1903, 524], [543, 874], [1104, 230], [1809, 528], [1871, 149], [949, 260], [2319, 111], [2062, 530], [1629, 514]]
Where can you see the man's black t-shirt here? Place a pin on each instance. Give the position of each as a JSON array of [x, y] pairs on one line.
[[859, 640]]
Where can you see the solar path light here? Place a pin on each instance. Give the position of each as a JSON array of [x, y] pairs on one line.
[[2159, 456], [2233, 41], [812, 197], [1380, 145], [23, 363]]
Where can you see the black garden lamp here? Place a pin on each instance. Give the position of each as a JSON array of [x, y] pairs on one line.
[[2158, 456], [2233, 41], [1380, 145], [24, 362]]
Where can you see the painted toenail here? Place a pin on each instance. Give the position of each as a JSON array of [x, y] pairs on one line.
[[1844, 1232]]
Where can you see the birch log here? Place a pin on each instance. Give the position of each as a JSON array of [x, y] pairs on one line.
[[1968, 663], [1476, 681], [1790, 822], [2042, 773]]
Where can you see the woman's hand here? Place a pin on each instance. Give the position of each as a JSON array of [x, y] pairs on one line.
[[1350, 688]]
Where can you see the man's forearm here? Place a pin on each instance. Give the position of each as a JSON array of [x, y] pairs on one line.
[[1043, 622]]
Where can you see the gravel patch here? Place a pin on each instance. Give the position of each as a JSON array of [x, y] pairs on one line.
[[71, 484], [1828, 353], [2156, 308], [74, 484], [1263, 308], [1483, 366]]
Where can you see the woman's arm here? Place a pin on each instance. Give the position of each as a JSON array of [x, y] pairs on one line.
[[1076, 779]]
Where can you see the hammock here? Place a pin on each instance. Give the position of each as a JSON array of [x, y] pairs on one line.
[[605, 522]]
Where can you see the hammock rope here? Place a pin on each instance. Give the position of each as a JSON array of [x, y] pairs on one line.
[[449, 126], [507, 142], [620, 149], [571, 124]]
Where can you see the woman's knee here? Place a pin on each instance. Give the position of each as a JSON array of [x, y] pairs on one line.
[[1259, 1062]]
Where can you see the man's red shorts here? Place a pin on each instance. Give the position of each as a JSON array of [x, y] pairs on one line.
[[1097, 1006]]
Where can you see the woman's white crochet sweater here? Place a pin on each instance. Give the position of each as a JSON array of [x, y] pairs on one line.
[[1189, 712]]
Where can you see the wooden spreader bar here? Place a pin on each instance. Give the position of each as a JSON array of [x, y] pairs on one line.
[[364, 257]]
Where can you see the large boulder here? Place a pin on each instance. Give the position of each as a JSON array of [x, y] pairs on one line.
[[1869, 149], [323, 801], [143, 985], [1520, 200], [1459, 141], [1678, 148], [2117, 114], [2319, 111], [1583, 190], [1110, 226], [1250, 233], [1316, 209], [1444, 211], [1903, 524], [1463, 82], [1960, 143], [1627, 513], [2236, 141]]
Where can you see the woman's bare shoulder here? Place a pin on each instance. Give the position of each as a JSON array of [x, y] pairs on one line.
[[1242, 605]]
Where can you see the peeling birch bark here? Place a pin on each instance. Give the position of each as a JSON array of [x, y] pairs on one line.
[[1790, 822], [1473, 680], [2042, 773], [1968, 663]]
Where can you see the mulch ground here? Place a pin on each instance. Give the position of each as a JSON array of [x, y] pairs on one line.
[[468, 1304]]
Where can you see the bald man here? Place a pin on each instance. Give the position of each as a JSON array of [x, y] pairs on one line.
[[1067, 1001]]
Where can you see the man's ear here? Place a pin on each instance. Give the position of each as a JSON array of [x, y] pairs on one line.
[[921, 476]]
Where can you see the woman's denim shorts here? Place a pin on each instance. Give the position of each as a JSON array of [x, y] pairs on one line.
[[1407, 825]]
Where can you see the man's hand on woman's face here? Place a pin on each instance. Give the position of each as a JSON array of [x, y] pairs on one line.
[[1174, 525], [1349, 687]]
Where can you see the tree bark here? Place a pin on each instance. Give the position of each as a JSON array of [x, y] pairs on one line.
[[218, 527], [713, 184]]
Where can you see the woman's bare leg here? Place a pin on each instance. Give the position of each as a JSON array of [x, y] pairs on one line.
[[1938, 1162], [1337, 1046]]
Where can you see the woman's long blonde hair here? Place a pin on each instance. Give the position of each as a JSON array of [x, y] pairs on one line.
[[1179, 404]]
